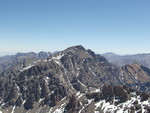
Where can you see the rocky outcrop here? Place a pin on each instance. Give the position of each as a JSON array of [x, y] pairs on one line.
[[120, 94], [44, 55], [136, 76], [97, 96], [109, 93], [111, 98], [73, 106]]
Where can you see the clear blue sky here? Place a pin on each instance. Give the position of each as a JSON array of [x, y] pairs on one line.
[[120, 26]]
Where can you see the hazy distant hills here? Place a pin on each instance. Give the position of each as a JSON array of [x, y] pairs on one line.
[[143, 59], [75, 80]]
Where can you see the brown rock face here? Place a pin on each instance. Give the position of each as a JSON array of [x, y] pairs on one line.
[[73, 106], [120, 93], [136, 76], [97, 96], [107, 92], [144, 96]]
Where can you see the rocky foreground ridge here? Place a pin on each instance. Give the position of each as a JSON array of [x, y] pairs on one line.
[[75, 80]]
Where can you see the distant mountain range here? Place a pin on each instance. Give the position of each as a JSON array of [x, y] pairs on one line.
[[75, 80], [119, 60], [21, 60]]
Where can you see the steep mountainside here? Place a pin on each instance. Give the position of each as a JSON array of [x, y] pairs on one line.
[[136, 76], [143, 59], [75, 80]]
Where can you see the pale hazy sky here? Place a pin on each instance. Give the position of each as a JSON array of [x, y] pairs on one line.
[[120, 26]]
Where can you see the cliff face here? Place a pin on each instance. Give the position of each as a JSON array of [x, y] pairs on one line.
[[136, 76], [73, 80]]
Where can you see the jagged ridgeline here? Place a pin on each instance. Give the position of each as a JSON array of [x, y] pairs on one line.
[[75, 80]]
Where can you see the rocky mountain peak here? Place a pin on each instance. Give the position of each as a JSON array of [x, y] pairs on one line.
[[78, 47], [75, 51], [75, 80], [43, 55]]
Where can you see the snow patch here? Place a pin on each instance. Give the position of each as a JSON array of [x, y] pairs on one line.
[[45, 60], [58, 109], [23, 69], [97, 90], [3, 104], [89, 102], [22, 66], [120, 111], [13, 109], [23, 102], [81, 83], [120, 108], [41, 99], [92, 72], [63, 98], [79, 94], [105, 106], [46, 79], [58, 62], [58, 57]]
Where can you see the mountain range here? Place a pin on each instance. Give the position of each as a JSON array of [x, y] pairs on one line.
[[21, 60], [121, 60], [75, 80]]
